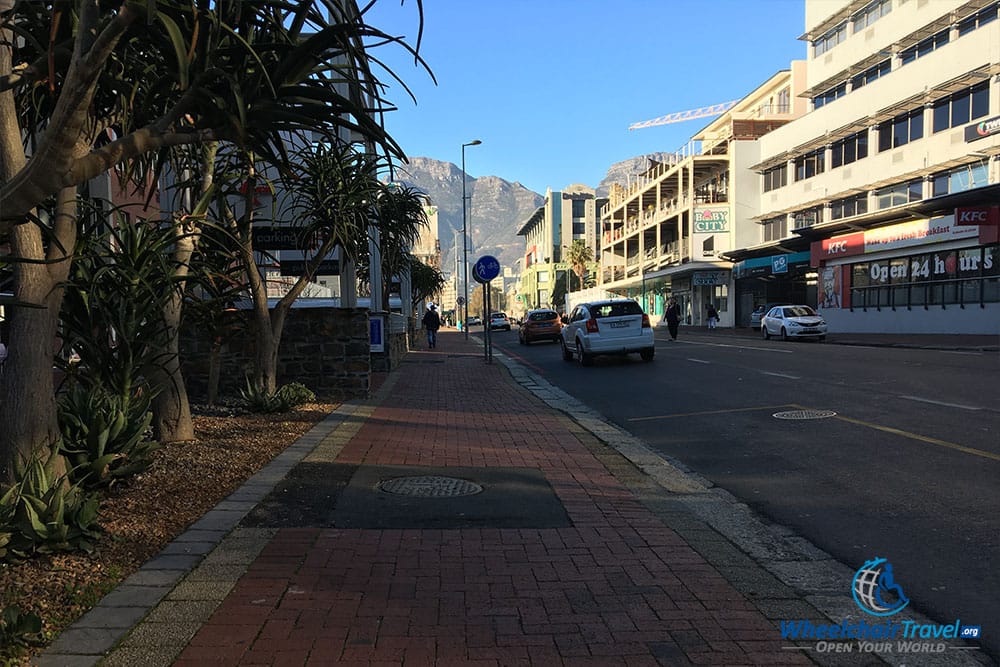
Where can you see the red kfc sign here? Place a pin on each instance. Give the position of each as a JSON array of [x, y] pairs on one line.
[[977, 215]]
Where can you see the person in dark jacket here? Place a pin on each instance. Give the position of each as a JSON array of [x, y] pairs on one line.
[[713, 316], [673, 316], [431, 322]]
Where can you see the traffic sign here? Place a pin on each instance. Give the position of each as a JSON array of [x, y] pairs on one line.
[[460, 300], [486, 269]]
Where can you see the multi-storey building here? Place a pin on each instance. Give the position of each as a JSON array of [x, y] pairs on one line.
[[903, 131], [566, 216], [666, 233]]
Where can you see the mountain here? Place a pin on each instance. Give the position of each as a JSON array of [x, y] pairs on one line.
[[495, 212], [497, 207]]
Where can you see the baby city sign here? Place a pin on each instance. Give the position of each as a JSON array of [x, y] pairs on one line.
[[711, 219]]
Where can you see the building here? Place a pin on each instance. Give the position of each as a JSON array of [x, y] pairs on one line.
[[902, 132], [667, 234], [566, 215]]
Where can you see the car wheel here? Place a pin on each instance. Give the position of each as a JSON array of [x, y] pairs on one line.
[[784, 334], [521, 340], [764, 332], [647, 354], [566, 352], [585, 359]]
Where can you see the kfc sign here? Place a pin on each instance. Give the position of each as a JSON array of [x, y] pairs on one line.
[[974, 216]]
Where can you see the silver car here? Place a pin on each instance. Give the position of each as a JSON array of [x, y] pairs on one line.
[[793, 322], [613, 326]]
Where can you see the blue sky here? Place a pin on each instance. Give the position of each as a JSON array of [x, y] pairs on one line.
[[551, 86]]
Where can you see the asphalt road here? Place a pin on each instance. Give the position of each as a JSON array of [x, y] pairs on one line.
[[908, 469]]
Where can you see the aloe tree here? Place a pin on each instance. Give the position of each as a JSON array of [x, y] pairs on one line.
[[86, 86], [425, 281]]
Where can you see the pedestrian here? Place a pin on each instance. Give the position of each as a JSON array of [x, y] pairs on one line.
[[431, 322], [673, 316], [713, 316]]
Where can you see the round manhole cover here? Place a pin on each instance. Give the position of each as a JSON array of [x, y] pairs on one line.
[[430, 486], [805, 414]]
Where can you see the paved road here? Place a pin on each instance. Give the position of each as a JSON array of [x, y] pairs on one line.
[[907, 469]]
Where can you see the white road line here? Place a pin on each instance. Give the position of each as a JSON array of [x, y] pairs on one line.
[[699, 361], [942, 403], [782, 375], [739, 347]]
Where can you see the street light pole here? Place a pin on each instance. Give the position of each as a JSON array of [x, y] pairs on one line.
[[465, 241]]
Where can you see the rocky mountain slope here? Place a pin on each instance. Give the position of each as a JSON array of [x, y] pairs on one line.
[[497, 207]]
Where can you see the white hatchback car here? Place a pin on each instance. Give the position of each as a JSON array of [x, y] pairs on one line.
[[613, 326], [793, 322]]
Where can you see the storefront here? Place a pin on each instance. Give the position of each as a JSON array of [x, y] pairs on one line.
[[930, 275], [782, 278]]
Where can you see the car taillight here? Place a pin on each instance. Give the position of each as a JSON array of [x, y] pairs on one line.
[[645, 321], [591, 325]]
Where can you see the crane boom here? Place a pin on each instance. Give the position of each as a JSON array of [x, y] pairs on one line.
[[682, 116]]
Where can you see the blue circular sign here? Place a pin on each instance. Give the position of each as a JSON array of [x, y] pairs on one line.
[[486, 269]]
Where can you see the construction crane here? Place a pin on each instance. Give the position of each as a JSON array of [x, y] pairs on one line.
[[682, 116]]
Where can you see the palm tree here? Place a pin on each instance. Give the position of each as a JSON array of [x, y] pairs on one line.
[[580, 256]]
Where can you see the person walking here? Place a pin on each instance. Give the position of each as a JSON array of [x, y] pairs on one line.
[[713, 316], [431, 322], [673, 316]]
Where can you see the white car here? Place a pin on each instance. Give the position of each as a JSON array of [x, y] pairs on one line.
[[499, 321], [612, 326], [793, 322]]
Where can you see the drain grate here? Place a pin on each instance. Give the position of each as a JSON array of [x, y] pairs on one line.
[[804, 414], [429, 486]]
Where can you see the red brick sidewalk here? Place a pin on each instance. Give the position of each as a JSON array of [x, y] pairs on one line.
[[617, 587]]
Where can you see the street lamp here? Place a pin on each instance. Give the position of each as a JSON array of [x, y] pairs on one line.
[[465, 240]]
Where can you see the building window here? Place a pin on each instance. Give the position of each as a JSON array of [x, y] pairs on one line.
[[870, 13], [579, 208], [959, 180], [899, 194], [923, 47], [543, 276], [776, 177], [849, 149], [871, 74], [775, 228], [830, 39], [808, 218], [848, 207], [829, 95], [579, 229], [979, 19], [959, 108], [901, 130], [810, 164], [784, 100]]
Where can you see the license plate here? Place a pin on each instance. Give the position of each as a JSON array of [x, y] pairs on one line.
[[810, 331], [619, 325]]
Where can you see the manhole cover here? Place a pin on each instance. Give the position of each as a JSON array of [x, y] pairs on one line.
[[805, 414], [429, 486]]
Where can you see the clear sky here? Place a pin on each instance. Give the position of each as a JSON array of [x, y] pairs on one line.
[[551, 86]]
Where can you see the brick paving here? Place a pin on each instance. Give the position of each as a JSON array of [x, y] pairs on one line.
[[616, 587]]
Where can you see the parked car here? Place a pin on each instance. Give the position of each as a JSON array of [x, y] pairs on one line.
[[793, 322], [611, 326], [474, 321], [539, 324], [758, 313], [499, 321]]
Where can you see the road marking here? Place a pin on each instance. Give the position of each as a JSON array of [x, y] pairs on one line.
[[782, 375], [916, 436], [699, 361], [942, 403], [741, 347], [710, 412]]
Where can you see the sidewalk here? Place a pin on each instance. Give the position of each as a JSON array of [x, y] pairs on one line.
[[581, 548]]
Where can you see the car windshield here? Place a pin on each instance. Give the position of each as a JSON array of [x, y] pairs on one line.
[[542, 316], [799, 311], [498, 316], [615, 309]]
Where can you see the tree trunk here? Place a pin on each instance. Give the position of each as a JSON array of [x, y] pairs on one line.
[[171, 409], [214, 364]]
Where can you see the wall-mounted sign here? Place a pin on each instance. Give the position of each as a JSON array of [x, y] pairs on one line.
[[893, 237], [710, 278], [978, 215], [285, 238], [982, 129], [376, 333], [779, 264], [297, 267], [711, 219]]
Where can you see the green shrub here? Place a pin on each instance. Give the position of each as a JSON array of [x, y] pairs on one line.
[[18, 629], [296, 393], [288, 396], [42, 513], [104, 435]]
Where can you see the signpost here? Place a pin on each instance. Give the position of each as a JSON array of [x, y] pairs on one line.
[[486, 269]]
